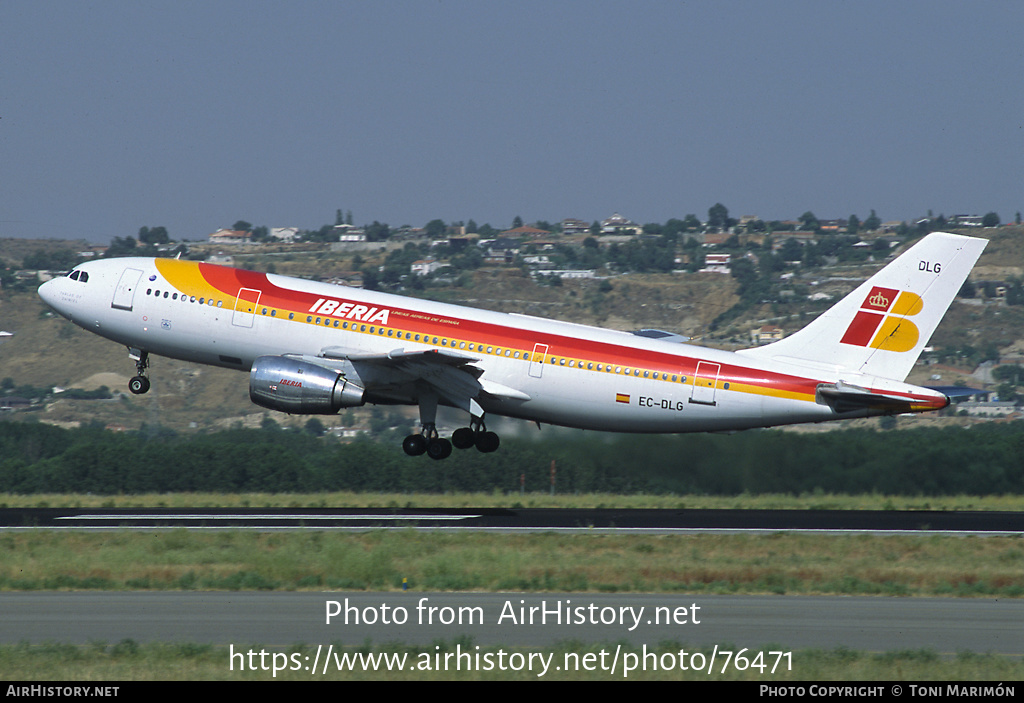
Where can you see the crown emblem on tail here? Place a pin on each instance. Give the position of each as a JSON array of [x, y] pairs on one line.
[[879, 301]]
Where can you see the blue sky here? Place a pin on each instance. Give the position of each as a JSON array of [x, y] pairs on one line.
[[192, 115]]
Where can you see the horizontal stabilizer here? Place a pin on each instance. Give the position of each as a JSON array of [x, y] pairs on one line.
[[955, 392], [846, 397]]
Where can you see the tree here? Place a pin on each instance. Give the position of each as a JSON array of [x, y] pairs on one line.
[[371, 281], [121, 247], [990, 219], [517, 221], [872, 223], [156, 235], [315, 427], [853, 226], [809, 222], [59, 260], [718, 216], [436, 229], [792, 250], [242, 226], [377, 232]]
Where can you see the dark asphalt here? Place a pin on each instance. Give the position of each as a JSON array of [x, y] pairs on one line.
[[979, 522]]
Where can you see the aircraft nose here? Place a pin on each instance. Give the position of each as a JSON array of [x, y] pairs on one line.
[[48, 292]]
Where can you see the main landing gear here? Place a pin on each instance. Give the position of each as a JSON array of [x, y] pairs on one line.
[[140, 383], [436, 447]]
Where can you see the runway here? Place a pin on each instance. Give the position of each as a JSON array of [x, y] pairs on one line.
[[653, 521], [281, 619], [946, 625]]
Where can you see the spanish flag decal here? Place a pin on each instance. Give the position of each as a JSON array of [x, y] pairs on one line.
[[621, 398]]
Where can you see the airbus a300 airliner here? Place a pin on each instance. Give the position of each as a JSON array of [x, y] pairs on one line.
[[315, 348]]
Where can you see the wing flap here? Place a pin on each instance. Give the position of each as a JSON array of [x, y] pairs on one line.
[[400, 356], [450, 374]]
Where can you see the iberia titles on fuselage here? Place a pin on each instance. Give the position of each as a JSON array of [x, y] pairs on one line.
[[312, 347]]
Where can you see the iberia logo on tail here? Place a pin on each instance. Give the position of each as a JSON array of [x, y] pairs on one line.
[[881, 322]]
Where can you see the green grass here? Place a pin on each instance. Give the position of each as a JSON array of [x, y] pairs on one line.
[[431, 561]]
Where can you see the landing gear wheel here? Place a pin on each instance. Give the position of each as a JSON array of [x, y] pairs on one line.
[[439, 448], [487, 442], [414, 444], [138, 385], [463, 438]]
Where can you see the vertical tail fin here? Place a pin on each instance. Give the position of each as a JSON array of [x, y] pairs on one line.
[[881, 327]]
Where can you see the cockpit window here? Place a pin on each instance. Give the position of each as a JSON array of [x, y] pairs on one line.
[[74, 275], [80, 276]]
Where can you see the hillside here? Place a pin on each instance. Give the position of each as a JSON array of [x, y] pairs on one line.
[[48, 351]]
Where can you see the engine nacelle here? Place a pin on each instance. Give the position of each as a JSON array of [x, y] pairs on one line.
[[300, 388]]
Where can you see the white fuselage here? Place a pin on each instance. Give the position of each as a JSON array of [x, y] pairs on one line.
[[551, 372]]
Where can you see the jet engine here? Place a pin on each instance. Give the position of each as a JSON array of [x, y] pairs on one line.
[[300, 388]]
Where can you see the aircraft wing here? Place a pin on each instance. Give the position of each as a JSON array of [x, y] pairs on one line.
[[399, 357], [453, 376]]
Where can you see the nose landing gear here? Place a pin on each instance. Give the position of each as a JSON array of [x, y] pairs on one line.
[[140, 383]]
